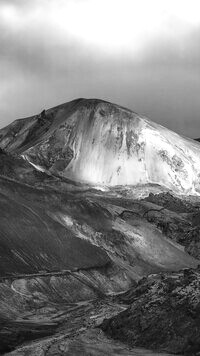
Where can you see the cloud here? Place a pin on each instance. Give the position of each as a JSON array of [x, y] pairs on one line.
[[45, 60]]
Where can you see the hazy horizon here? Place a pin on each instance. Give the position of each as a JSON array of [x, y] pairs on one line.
[[144, 55]]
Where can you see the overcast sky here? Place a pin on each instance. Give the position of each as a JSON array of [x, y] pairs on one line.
[[142, 54]]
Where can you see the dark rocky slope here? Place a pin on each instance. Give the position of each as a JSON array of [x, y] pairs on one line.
[[164, 314], [46, 229], [63, 247]]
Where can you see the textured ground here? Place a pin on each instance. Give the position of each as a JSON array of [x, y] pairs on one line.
[[100, 243], [163, 314]]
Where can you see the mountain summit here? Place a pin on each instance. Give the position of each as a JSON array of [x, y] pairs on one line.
[[93, 141]]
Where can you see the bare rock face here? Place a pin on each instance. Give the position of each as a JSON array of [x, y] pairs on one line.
[[102, 143], [163, 314]]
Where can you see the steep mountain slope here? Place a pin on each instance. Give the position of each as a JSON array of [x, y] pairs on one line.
[[101, 143], [49, 230]]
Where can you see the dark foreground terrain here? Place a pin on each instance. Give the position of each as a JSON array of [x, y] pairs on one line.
[[88, 269], [71, 259], [163, 314]]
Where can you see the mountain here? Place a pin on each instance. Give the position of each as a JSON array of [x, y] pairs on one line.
[[99, 215], [96, 142]]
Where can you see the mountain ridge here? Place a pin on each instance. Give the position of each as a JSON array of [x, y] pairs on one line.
[[100, 143]]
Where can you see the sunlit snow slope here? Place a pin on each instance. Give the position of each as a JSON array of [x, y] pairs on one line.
[[93, 141]]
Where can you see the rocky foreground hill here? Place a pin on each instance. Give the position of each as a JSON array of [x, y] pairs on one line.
[[99, 235], [164, 313]]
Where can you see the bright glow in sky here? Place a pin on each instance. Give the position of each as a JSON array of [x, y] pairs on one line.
[[124, 24], [109, 25]]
